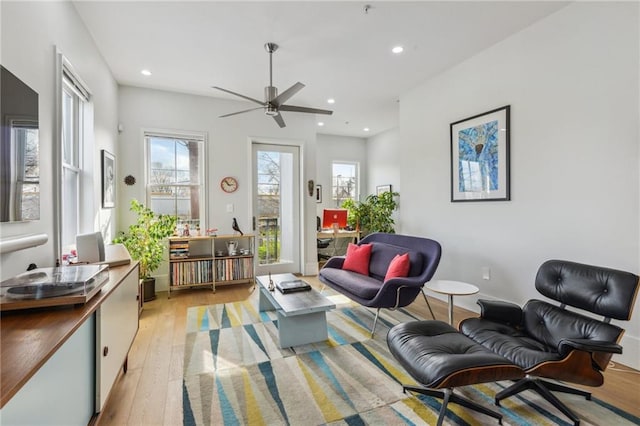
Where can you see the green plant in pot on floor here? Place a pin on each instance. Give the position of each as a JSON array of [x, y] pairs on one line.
[[145, 242]]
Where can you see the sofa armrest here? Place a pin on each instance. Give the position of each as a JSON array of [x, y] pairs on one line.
[[403, 282], [335, 262], [503, 312], [588, 345]]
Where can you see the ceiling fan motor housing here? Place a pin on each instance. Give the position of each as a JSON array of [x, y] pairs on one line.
[[270, 93]]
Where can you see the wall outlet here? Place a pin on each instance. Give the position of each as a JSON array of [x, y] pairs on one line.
[[486, 273]]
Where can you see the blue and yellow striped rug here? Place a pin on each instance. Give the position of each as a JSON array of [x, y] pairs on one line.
[[235, 374]]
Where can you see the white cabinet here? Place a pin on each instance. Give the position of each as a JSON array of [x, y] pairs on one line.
[[60, 392], [116, 327]]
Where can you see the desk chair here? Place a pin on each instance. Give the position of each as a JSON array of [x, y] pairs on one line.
[[322, 243]]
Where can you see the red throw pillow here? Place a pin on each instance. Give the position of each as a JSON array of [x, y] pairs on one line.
[[357, 259], [399, 267]]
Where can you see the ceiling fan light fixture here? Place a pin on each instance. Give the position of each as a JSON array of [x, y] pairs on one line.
[[271, 111]]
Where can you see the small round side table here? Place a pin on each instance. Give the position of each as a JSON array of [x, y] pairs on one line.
[[451, 288]]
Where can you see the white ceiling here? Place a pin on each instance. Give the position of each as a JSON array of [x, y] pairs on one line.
[[334, 48]]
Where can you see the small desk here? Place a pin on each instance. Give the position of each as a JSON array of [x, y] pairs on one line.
[[451, 288], [335, 235]]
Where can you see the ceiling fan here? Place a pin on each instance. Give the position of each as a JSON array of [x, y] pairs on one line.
[[274, 103]]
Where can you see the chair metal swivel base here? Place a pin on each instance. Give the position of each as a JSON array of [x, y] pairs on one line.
[[544, 388], [447, 396]]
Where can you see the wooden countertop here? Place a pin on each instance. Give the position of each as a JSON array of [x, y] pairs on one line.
[[29, 338]]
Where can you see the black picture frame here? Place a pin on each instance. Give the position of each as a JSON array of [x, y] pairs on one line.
[[382, 189], [480, 151], [108, 162]]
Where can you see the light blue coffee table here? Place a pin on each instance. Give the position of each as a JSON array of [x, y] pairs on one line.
[[302, 315]]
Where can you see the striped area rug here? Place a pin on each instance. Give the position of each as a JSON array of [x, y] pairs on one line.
[[235, 374]]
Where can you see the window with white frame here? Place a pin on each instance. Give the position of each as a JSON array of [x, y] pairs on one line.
[[175, 176], [344, 181], [74, 118]]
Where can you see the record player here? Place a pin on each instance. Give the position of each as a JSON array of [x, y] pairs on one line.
[[42, 287]]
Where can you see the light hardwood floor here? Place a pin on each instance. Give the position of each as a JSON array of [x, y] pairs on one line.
[[150, 393]]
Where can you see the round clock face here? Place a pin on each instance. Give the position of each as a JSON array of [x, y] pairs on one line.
[[229, 184]]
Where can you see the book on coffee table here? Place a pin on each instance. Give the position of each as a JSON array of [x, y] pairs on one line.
[[292, 286]]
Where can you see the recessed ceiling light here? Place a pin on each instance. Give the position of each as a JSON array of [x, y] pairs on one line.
[[145, 73], [320, 123], [366, 129], [331, 101], [397, 49]]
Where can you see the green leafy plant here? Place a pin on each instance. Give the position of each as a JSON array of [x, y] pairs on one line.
[[145, 238], [374, 214]]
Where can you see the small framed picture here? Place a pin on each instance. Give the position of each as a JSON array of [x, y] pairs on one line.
[[108, 180], [318, 193], [383, 188]]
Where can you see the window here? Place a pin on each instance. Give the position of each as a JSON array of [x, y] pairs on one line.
[[75, 115], [24, 134], [345, 181], [175, 176]]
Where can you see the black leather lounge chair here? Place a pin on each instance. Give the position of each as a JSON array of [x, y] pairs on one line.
[[549, 341]]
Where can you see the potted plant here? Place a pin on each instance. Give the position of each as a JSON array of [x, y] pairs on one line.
[[145, 242], [374, 214]]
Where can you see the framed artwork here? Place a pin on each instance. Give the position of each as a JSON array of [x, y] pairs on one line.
[[318, 193], [108, 180], [480, 157], [383, 188]]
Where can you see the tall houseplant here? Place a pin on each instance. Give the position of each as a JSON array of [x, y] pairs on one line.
[[374, 214], [145, 242]]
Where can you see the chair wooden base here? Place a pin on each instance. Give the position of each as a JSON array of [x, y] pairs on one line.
[[447, 396], [544, 388]]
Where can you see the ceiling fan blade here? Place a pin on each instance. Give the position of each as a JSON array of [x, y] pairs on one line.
[[279, 120], [284, 96], [239, 95], [240, 112], [294, 108]]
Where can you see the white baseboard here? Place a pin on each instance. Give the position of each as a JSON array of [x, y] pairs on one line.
[[630, 352], [311, 268]]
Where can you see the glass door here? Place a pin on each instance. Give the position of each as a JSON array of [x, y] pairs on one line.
[[276, 207]]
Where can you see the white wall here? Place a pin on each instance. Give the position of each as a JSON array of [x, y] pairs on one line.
[[572, 83], [384, 160], [228, 154], [338, 148], [30, 31]]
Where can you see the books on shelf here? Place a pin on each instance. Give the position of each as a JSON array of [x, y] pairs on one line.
[[239, 268], [200, 261], [189, 273], [178, 249]]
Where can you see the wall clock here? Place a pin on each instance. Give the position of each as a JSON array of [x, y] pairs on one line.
[[229, 184]]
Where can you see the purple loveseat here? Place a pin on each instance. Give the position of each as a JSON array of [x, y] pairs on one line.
[[371, 291]]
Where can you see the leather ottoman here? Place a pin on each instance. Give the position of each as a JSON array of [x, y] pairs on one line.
[[438, 357]]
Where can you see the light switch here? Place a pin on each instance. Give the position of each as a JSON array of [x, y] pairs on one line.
[[229, 208], [486, 273]]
